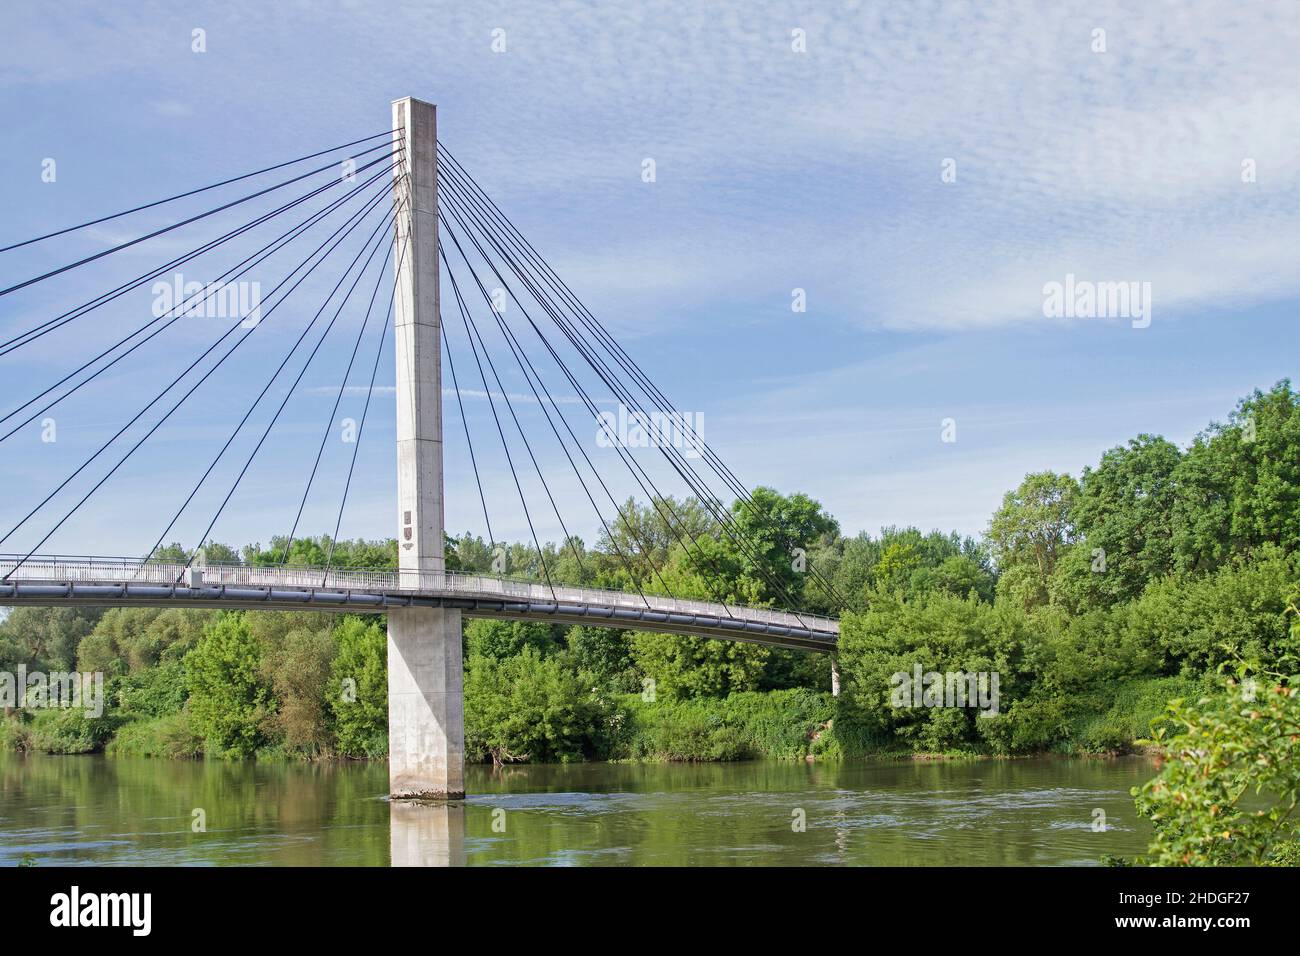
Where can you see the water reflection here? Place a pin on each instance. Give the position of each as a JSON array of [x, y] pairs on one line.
[[427, 833]]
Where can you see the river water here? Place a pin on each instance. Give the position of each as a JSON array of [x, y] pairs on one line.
[[114, 810]]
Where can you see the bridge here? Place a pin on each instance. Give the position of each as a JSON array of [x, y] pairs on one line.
[[416, 194], [130, 582]]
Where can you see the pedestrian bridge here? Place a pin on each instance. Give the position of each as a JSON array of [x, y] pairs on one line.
[[75, 580], [419, 206]]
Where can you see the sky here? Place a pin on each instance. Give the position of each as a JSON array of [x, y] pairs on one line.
[[919, 174]]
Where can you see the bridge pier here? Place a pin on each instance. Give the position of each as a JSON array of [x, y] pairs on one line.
[[835, 674], [426, 704]]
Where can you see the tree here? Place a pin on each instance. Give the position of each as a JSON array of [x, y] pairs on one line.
[[642, 536], [773, 535], [605, 653], [501, 639], [44, 638], [1123, 515], [296, 651], [1030, 531], [358, 688], [228, 701], [1238, 486], [683, 667]]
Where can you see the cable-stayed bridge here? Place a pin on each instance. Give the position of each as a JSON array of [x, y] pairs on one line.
[[402, 193]]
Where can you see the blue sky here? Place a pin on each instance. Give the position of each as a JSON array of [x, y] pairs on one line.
[[775, 170]]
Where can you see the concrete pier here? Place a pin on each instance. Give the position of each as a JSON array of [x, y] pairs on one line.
[[426, 724]]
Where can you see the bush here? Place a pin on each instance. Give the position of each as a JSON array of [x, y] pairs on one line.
[[171, 735], [789, 724], [1230, 781], [528, 707], [153, 692], [66, 731]]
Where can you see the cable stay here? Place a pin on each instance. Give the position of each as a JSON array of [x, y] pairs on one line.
[[296, 382], [505, 446], [50, 325], [361, 428], [719, 515], [329, 422], [184, 222], [563, 445], [336, 238], [192, 192], [231, 274], [454, 187], [656, 498]]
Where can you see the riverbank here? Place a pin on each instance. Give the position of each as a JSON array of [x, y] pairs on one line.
[[794, 724]]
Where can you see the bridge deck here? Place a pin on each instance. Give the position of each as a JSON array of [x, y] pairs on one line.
[[92, 581]]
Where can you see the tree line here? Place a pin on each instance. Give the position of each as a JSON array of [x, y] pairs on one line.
[[1096, 599]]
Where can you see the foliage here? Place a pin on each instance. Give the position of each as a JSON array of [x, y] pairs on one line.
[[681, 667], [171, 736], [530, 707], [1231, 779], [296, 651], [787, 724], [606, 654], [59, 730], [1029, 533], [1239, 483], [358, 688], [44, 639], [502, 639], [1123, 514], [228, 703]]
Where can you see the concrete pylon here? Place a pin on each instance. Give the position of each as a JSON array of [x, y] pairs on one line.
[[426, 723]]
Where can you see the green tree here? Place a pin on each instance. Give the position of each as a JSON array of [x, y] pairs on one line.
[[296, 651], [605, 653], [500, 639], [683, 667], [1123, 515], [228, 701], [1239, 483], [44, 638], [1029, 533], [777, 532], [358, 688]]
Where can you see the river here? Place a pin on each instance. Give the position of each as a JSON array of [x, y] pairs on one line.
[[99, 810]]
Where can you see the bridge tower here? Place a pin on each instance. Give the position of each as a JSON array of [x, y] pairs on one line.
[[426, 724]]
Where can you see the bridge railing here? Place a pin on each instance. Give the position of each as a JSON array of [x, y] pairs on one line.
[[90, 569]]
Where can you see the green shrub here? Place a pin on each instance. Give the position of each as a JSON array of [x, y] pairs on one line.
[[530, 707], [171, 735], [66, 731]]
